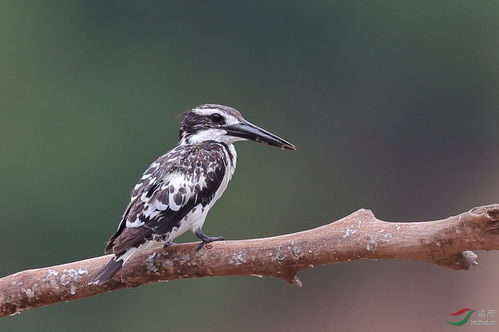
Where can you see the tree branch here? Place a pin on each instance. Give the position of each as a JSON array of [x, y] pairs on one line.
[[359, 236]]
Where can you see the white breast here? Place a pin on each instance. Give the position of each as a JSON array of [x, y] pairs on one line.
[[195, 219], [231, 168]]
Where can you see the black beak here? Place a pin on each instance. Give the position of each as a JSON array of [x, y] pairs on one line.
[[250, 131]]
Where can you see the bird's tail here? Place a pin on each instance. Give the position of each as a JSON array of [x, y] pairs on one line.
[[112, 267], [108, 271]]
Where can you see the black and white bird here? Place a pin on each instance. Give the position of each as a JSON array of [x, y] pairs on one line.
[[177, 190]]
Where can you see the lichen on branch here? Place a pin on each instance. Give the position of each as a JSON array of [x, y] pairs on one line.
[[359, 236]]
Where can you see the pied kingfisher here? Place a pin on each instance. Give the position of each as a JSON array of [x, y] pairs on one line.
[[176, 191]]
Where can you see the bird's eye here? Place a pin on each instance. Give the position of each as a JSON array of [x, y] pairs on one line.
[[215, 117]]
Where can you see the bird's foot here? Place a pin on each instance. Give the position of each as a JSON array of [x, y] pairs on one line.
[[202, 243], [208, 240], [168, 244]]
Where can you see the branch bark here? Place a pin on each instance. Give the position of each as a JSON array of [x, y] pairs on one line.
[[359, 236]]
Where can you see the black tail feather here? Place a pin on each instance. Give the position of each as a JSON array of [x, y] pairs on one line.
[[108, 271]]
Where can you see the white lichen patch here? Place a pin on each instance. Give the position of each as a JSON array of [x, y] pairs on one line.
[[398, 227], [51, 277], [65, 277], [349, 231], [150, 263], [51, 272], [64, 280], [238, 258], [372, 244], [280, 256], [184, 259], [68, 275], [82, 271], [297, 251], [30, 293], [388, 235], [72, 290]]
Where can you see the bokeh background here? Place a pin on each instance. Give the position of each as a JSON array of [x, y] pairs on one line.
[[393, 106]]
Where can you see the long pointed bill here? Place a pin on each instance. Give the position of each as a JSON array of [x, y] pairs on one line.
[[250, 131]]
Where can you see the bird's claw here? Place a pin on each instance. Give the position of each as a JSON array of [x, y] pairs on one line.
[[168, 244], [207, 240]]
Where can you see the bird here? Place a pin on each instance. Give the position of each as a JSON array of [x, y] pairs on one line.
[[177, 190]]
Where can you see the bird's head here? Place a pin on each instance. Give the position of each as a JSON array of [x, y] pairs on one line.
[[211, 122]]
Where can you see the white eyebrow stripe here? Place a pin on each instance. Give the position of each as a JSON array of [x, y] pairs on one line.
[[208, 111], [229, 119]]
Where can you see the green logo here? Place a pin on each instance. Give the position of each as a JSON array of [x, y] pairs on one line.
[[463, 321]]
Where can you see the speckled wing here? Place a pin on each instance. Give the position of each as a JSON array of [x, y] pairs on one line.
[[169, 189]]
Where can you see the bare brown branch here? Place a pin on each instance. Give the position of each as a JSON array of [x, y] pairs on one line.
[[358, 236]]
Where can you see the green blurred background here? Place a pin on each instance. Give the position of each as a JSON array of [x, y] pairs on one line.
[[393, 106]]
